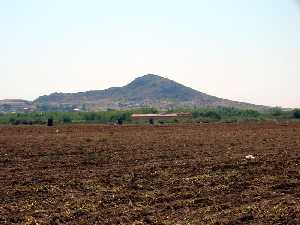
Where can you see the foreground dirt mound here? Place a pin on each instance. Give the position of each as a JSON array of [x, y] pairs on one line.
[[183, 174]]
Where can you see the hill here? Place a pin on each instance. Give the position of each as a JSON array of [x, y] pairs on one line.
[[16, 105], [146, 91]]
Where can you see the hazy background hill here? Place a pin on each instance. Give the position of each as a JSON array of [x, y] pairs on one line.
[[146, 91], [16, 105]]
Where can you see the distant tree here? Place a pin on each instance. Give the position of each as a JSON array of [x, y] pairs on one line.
[[277, 111], [297, 113], [67, 119], [213, 115], [12, 120]]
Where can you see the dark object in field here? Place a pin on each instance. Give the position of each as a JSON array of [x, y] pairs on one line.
[[50, 122], [151, 121], [119, 121]]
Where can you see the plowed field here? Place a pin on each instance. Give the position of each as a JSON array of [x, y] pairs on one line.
[[177, 174]]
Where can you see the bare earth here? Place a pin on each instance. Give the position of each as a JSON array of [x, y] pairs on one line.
[[179, 174]]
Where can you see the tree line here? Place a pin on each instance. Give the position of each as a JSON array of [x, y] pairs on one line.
[[221, 114]]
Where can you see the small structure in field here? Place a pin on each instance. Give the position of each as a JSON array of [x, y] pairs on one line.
[[50, 122], [160, 116]]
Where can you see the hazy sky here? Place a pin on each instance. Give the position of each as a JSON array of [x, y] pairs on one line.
[[246, 50]]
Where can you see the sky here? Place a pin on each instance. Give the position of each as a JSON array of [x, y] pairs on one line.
[[244, 50]]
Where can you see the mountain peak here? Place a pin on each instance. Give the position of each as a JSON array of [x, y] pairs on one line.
[[148, 79], [151, 76], [149, 90]]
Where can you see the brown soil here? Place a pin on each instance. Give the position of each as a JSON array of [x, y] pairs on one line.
[[181, 174]]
